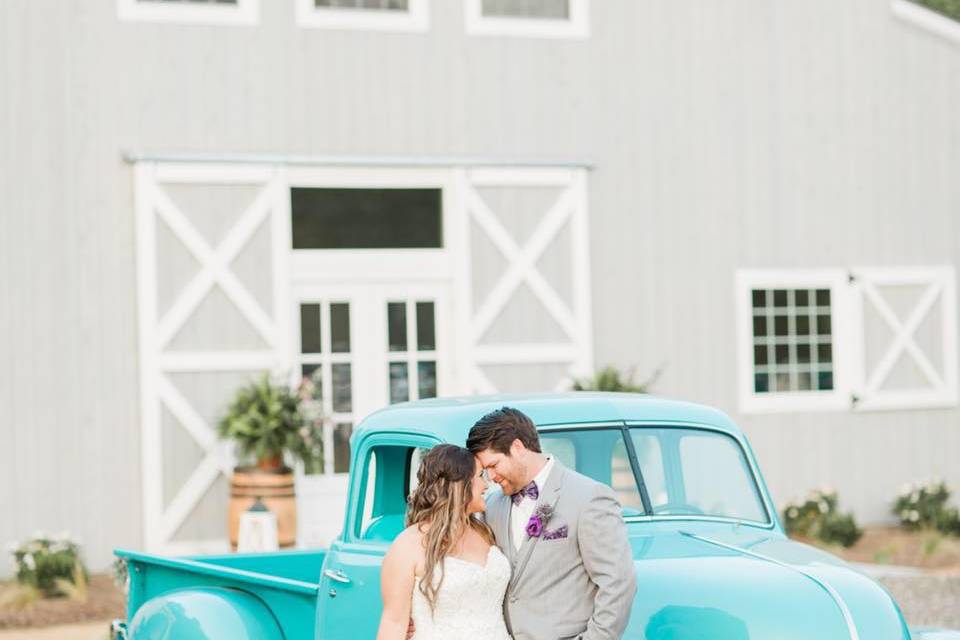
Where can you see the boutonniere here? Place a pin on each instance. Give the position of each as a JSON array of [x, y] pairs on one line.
[[539, 519]]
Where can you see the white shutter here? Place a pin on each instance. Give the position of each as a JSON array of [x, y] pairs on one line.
[[204, 328], [906, 354], [525, 268]]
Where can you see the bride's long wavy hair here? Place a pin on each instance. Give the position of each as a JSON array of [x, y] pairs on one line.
[[439, 507]]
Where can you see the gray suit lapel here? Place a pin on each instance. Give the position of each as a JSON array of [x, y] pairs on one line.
[[550, 495], [504, 521]]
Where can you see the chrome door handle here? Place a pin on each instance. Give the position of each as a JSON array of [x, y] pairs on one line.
[[337, 576]]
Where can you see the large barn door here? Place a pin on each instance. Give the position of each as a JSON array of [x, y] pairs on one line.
[[908, 351], [525, 261], [210, 262]]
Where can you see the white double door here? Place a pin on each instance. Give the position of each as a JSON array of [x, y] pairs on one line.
[[365, 345]]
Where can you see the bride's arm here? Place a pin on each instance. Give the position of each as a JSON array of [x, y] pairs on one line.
[[396, 586]]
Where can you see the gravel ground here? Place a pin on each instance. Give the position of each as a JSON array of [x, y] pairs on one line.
[[928, 599]]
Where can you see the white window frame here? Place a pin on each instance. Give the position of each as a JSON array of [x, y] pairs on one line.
[[243, 13], [415, 19], [835, 280], [926, 19], [574, 27]]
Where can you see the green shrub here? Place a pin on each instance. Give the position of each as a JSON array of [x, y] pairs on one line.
[[51, 565], [923, 505], [265, 421], [949, 8], [817, 517], [611, 379]]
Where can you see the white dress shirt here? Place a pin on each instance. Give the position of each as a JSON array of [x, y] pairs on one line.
[[520, 513]]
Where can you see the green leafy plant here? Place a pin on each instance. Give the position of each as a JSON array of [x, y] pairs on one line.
[[924, 505], [610, 378], [949, 8], [265, 421], [50, 566], [816, 516]]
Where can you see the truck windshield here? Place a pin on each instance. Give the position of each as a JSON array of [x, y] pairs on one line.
[[683, 471]]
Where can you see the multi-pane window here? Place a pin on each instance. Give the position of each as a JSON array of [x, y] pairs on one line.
[[377, 15], [532, 18], [559, 9], [326, 360], [241, 12], [411, 350], [792, 340]]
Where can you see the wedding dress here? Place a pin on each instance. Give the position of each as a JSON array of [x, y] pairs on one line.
[[470, 601]]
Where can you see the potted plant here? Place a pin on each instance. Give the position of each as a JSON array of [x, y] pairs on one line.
[[269, 429]]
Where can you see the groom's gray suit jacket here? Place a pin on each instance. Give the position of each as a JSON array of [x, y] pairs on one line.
[[578, 586]]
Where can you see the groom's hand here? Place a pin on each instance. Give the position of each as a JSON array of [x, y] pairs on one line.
[[411, 629]]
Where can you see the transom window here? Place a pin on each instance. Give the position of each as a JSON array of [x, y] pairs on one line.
[[365, 218], [375, 15], [239, 12], [532, 18], [792, 340]]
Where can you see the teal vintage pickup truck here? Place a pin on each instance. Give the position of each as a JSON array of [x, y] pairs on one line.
[[711, 557]]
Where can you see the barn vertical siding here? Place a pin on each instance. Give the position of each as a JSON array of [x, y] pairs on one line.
[[724, 136]]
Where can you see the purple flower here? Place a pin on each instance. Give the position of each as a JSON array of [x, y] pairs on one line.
[[534, 526]]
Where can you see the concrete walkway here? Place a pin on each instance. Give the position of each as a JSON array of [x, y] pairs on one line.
[[85, 631]]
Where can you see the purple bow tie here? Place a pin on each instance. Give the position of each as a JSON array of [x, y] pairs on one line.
[[528, 491]]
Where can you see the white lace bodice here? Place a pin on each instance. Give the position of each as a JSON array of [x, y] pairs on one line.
[[470, 602]]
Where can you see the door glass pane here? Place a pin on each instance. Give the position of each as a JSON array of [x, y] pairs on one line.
[[366, 218], [312, 372], [397, 325], [399, 382], [340, 327], [426, 338], [341, 447], [426, 380], [309, 328], [342, 395]]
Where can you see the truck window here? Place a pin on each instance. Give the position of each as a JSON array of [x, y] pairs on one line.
[[390, 475]]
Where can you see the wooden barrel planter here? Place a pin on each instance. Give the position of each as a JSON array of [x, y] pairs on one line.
[[275, 489]]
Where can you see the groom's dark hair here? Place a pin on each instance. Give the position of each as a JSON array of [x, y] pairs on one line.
[[498, 429]]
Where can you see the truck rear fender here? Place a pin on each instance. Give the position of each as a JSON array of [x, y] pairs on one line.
[[205, 613]]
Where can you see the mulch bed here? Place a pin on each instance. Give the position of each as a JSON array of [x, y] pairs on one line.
[[104, 602], [926, 550]]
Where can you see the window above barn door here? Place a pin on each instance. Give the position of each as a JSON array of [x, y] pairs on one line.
[[528, 18], [371, 15], [203, 12], [836, 339]]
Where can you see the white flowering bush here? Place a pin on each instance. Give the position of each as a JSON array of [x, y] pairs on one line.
[[923, 505], [49, 564], [816, 516]]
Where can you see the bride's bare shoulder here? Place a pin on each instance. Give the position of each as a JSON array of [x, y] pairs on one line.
[[409, 539]]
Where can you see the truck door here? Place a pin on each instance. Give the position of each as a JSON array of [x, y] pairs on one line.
[[384, 473]]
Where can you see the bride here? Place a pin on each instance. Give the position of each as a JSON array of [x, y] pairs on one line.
[[444, 571]]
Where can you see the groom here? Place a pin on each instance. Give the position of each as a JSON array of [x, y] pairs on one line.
[[573, 571]]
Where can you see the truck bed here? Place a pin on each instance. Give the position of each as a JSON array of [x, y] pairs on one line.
[[286, 581]]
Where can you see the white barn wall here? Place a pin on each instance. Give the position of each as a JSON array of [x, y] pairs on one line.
[[724, 135]]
